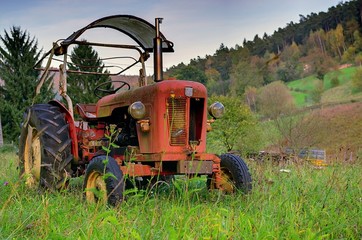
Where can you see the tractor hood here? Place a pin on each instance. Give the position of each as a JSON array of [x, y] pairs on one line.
[[151, 94]]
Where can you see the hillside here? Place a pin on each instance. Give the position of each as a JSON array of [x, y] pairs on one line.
[[341, 131], [340, 92], [316, 44], [339, 112]]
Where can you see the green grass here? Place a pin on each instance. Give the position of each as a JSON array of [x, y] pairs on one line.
[[303, 85], [344, 76], [299, 98], [302, 88], [306, 203]]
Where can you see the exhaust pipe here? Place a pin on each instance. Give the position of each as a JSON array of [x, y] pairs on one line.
[[157, 52]]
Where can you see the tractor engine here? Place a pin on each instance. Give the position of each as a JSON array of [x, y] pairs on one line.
[[94, 137]]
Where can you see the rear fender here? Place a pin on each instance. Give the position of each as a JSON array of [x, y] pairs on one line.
[[72, 129]]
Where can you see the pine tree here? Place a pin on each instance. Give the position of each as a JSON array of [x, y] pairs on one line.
[[81, 86], [18, 55]]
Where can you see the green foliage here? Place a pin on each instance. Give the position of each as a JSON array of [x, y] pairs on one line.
[[357, 80], [336, 41], [245, 74], [334, 82], [81, 86], [7, 148], [290, 67], [215, 85], [337, 85], [316, 93], [333, 78], [191, 73], [222, 62], [358, 59], [313, 46], [233, 128], [18, 56], [306, 203]]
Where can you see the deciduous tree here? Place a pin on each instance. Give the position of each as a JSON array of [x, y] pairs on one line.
[[295, 129], [275, 100], [191, 73], [244, 74], [234, 125]]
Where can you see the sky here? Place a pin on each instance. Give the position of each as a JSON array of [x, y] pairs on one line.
[[196, 27]]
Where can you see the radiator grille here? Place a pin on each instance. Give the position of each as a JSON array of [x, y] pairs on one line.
[[177, 121]]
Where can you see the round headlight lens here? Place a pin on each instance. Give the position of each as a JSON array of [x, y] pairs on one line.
[[216, 110], [137, 110]]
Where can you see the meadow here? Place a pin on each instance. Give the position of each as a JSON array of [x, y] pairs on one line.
[[288, 201], [337, 88]]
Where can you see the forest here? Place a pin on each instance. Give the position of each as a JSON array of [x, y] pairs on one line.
[[318, 43]]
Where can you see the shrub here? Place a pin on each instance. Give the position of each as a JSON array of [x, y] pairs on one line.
[[357, 80], [334, 81], [233, 127]]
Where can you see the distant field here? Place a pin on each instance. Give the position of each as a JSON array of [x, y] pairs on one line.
[[306, 84], [300, 98], [302, 88], [301, 203], [344, 76]]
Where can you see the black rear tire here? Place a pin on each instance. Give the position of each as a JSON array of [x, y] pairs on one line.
[[235, 175], [103, 181], [45, 147]]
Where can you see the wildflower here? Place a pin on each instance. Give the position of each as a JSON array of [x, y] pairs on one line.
[[6, 183]]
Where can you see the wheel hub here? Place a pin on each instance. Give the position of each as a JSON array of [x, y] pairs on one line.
[[96, 189], [226, 183], [32, 158]]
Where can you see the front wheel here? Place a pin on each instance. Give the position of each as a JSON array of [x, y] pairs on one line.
[[234, 175], [104, 181]]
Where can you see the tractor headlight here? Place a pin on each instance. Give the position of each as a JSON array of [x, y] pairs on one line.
[[216, 110], [137, 110]]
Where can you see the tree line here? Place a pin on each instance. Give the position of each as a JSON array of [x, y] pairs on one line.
[[315, 45]]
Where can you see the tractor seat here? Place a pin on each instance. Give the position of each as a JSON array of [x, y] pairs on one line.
[[86, 111]]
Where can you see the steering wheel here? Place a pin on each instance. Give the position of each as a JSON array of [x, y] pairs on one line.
[[98, 89]]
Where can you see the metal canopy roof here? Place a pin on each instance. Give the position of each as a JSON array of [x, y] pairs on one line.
[[138, 29]]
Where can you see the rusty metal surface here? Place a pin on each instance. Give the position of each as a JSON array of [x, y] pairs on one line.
[[194, 167]]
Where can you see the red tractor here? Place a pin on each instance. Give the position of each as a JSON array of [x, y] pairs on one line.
[[152, 131]]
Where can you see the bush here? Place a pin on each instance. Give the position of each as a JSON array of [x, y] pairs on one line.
[[316, 93], [357, 80], [275, 100], [229, 131], [334, 81]]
